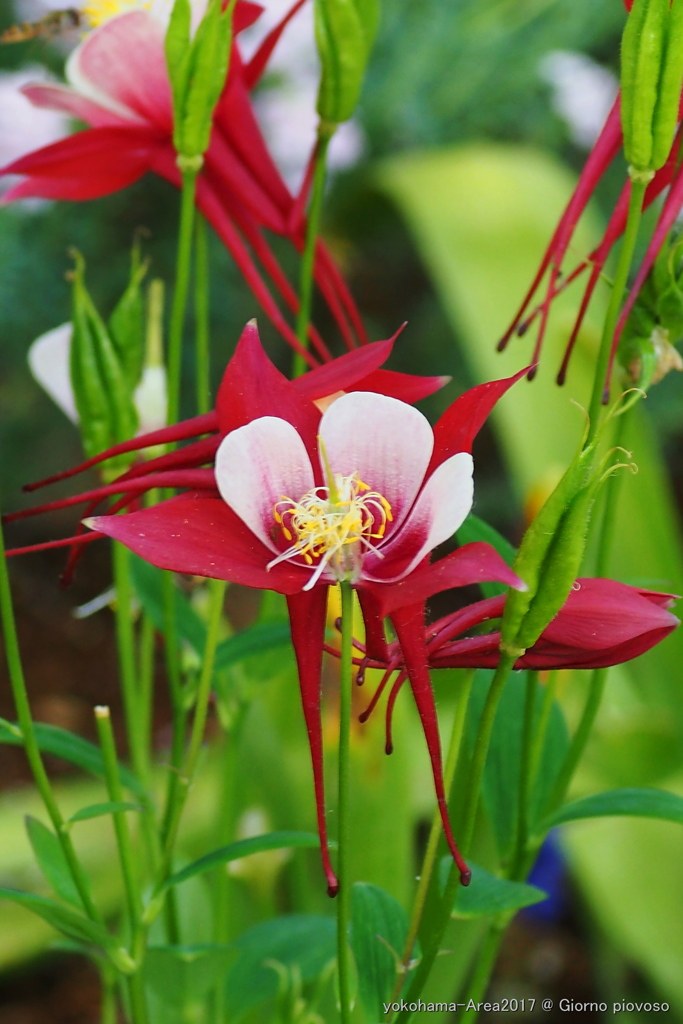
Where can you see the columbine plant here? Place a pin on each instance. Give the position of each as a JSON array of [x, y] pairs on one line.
[[329, 488]]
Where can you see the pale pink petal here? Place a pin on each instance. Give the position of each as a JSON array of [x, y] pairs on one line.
[[439, 511], [122, 66], [256, 466], [61, 97], [388, 443]]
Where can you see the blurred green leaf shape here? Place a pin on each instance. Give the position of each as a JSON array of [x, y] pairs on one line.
[[476, 529], [181, 976], [149, 587], [634, 803], [306, 941], [244, 848], [148, 582], [488, 894], [69, 747], [502, 774], [51, 860], [64, 919], [99, 810], [379, 926], [255, 640]]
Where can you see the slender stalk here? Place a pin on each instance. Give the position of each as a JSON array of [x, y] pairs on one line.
[[429, 860], [525, 777], [486, 960], [108, 980], [201, 316], [217, 592], [308, 257], [180, 293], [125, 641], [344, 833], [476, 776], [123, 838], [146, 680], [542, 724], [600, 383], [29, 740]]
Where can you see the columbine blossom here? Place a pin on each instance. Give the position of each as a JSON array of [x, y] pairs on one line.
[[118, 85], [602, 623], [299, 500], [552, 267]]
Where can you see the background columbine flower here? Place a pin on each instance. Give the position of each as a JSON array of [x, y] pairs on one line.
[[118, 85]]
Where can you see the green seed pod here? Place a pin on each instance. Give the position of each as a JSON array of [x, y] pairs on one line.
[[127, 323], [669, 92], [560, 567], [197, 70], [538, 540], [103, 399], [643, 47], [344, 33]]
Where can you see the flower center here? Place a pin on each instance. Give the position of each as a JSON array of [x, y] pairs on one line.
[[98, 11], [333, 526]]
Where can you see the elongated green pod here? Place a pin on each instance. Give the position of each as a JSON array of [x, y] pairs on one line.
[[649, 48], [630, 44], [538, 539], [670, 84], [344, 33], [560, 568]]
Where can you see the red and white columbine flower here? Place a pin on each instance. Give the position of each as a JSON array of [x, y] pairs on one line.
[[299, 500]]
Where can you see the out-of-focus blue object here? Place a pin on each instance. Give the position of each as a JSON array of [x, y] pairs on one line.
[[550, 874]]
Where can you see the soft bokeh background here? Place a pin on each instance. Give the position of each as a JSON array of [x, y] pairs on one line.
[[475, 119]]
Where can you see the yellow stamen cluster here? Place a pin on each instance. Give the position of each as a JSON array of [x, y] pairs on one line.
[[333, 526], [98, 11]]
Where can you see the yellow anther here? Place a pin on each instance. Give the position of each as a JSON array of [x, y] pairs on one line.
[[335, 524]]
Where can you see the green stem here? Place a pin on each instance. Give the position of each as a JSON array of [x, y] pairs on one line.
[[344, 827], [180, 293], [201, 315], [436, 830], [29, 740], [125, 640], [217, 593], [542, 724], [628, 245], [308, 258], [486, 960], [525, 770], [115, 791], [108, 981], [475, 780], [146, 678]]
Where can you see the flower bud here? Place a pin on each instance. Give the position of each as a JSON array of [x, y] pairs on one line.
[[651, 79], [344, 32], [197, 69]]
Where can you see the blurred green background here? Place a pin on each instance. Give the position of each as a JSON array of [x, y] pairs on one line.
[[441, 222]]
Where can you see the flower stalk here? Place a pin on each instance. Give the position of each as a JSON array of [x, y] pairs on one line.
[[344, 803], [325, 133]]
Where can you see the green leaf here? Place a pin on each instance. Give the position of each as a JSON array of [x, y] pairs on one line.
[[488, 894], [306, 942], [475, 529], [379, 926], [266, 636], [50, 856], [65, 920], [98, 810], [149, 587], [244, 848], [633, 803], [181, 976], [501, 776], [69, 747]]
